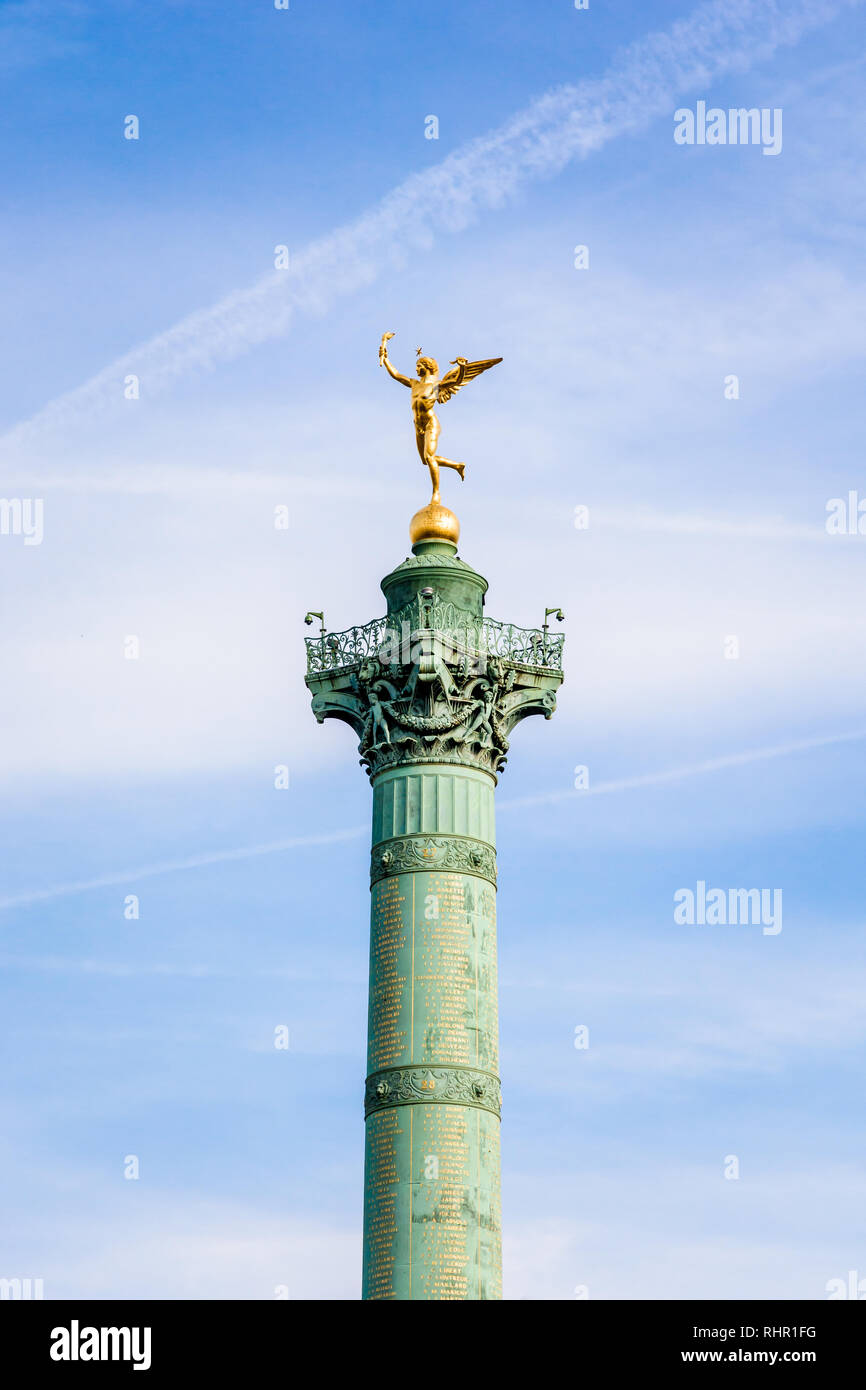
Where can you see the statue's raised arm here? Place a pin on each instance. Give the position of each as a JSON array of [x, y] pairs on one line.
[[384, 362]]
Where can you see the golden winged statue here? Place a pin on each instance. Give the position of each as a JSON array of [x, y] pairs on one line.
[[429, 390]]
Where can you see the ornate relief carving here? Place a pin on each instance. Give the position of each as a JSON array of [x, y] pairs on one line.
[[417, 1085], [435, 709], [435, 681], [408, 854]]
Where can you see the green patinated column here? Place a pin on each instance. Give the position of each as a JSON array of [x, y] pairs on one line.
[[432, 1212], [433, 690]]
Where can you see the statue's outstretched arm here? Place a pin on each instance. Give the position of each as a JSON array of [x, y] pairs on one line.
[[383, 362]]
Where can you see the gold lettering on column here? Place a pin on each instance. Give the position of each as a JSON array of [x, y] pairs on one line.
[[387, 1039]]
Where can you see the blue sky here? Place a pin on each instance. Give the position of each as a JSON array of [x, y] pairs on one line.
[[259, 388]]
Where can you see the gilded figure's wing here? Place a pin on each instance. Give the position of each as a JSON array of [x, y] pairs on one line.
[[460, 374]]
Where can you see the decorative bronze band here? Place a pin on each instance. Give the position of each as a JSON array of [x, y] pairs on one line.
[[423, 1084], [413, 853]]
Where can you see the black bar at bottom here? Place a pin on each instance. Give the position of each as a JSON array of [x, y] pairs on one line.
[[68, 1337]]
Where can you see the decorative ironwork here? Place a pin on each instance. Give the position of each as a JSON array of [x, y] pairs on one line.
[[526, 646], [334, 650], [386, 638]]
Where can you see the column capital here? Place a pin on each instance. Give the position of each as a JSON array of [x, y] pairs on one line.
[[435, 680]]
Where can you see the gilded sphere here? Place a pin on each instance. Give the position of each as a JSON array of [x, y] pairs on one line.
[[434, 523]]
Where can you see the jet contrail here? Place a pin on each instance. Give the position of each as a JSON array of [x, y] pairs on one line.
[[676, 774], [172, 866], [222, 856], [567, 123]]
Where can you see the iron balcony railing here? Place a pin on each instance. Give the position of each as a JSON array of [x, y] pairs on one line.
[[388, 639]]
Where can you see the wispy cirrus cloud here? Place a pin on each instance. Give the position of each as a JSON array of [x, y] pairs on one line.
[[679, 774], [30, 897], [567, 123], [173, 866]]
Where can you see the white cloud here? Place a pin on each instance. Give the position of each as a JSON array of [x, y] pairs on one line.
[[163, 1246], [681, 1232], [637, 1231]]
